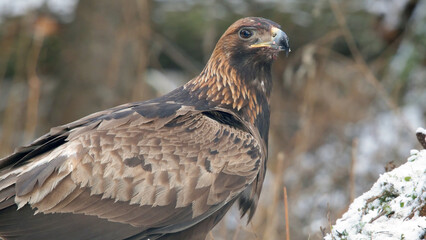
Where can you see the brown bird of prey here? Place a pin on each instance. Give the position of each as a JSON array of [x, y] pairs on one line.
[[166, 168]]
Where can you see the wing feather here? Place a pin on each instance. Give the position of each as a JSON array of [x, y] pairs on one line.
[[165, 174]]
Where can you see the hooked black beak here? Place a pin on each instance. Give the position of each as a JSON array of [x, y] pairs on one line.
[[279, 41]]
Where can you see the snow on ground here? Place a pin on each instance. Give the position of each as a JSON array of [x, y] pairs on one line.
[[391, 209], [421, 130]]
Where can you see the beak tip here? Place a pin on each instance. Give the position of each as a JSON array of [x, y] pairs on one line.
[[283, 42]]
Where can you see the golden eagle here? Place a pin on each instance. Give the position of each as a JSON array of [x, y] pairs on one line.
[[166, 168]]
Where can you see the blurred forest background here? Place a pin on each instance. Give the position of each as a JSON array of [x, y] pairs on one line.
[[345, 102]]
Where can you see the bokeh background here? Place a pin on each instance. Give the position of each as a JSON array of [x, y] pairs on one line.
[[346, 101]]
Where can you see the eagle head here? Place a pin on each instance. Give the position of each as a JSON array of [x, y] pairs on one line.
[[252, 40]]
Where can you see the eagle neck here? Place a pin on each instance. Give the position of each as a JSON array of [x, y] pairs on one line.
[[243, 89]]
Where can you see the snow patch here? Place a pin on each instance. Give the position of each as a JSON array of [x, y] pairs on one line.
[[391, 209], [421, 130]]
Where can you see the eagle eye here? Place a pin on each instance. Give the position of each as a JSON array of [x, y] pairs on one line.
[[245, 33]]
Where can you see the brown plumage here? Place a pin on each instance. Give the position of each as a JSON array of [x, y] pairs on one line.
[[167, 168]]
